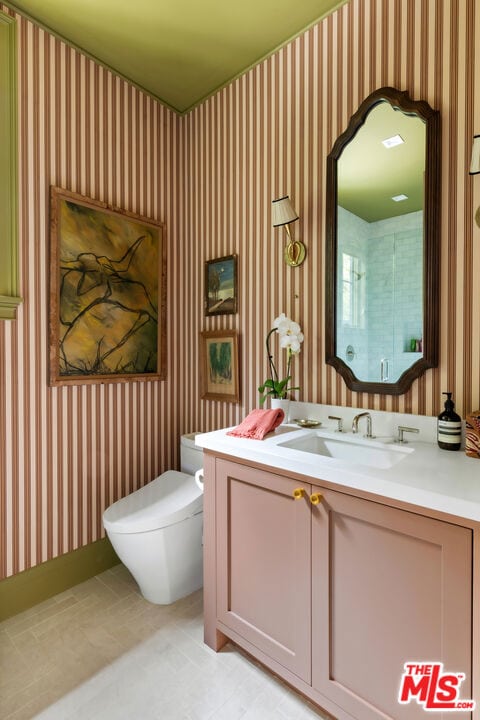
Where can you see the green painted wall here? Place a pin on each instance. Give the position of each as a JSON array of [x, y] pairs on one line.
[[8, 169], [28, 588]]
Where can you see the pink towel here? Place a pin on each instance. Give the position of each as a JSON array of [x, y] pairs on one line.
[[258, 423]]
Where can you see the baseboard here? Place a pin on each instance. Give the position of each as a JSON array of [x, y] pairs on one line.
[[30, 587]]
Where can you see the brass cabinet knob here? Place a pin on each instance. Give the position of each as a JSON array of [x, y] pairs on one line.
[[316, 498], [298, 493]]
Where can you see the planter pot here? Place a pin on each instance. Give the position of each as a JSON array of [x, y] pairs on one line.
[[281, 403]]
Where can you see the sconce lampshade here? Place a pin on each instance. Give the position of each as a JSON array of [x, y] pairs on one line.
[[283, 212], [475, 163]]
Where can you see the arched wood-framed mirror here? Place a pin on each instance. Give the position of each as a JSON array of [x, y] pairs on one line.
[[383, 244]]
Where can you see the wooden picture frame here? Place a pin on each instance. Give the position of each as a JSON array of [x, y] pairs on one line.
[[220, 287], [219, 365], [107, 293]]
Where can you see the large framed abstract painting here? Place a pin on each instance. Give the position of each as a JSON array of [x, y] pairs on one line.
[[107, 293], [219, 365]]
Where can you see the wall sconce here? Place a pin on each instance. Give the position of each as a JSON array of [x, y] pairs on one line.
[[284, 214], [475, 167], [475, 162]]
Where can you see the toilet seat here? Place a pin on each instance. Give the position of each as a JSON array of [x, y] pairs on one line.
[[169, 499]]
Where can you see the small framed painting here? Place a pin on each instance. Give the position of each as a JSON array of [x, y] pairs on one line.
[[221, 286], [219, 365], [107, 293]]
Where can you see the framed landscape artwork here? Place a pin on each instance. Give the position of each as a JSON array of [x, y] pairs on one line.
[[107, 293], [221, 286], [219, 365]]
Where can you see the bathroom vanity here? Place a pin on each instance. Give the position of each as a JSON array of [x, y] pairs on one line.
[[335, 573]]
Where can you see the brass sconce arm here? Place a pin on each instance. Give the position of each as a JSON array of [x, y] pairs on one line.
[[295, 251]]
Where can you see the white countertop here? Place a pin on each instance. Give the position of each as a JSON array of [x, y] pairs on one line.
[[428, 477]]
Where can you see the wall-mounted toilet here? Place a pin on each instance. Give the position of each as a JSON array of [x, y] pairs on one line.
[[156, 531]]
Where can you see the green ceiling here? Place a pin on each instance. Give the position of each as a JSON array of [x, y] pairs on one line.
[[180, 51]]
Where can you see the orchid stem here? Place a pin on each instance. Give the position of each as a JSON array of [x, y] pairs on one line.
[[273, 371], [289, 362]]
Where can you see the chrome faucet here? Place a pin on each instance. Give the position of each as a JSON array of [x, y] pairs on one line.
[[402, 429], [369, 424], [339, 422]]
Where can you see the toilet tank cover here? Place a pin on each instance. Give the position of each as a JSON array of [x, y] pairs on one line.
[[170, 498]]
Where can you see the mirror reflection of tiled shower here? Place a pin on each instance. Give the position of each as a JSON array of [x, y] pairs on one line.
[[379, 294]]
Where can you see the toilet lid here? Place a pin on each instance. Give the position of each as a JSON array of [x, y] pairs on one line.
[[170, 498]]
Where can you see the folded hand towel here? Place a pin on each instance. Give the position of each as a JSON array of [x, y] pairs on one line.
[[258, 423]]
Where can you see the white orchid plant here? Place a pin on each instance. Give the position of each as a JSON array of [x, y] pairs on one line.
[[291, 338]]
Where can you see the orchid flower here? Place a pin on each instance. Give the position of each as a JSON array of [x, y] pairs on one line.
[[290, 339]]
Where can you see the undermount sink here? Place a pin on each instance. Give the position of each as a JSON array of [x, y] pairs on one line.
[[357, 451]]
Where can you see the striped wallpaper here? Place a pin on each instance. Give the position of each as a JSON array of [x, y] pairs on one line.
[[210, 176], [269, 133], [68, 452]]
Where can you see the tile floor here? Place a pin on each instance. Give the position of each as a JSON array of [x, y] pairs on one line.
[[99, 651]]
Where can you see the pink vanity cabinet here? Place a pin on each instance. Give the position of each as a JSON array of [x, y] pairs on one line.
[[334, 597]]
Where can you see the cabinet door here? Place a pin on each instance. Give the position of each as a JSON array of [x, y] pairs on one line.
[[263, 563], [388, 587]]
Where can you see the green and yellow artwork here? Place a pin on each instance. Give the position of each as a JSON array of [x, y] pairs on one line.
[[106, 294], [219, 362]]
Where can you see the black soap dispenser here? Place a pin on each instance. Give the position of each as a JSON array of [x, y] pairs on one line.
[[449, 426]]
